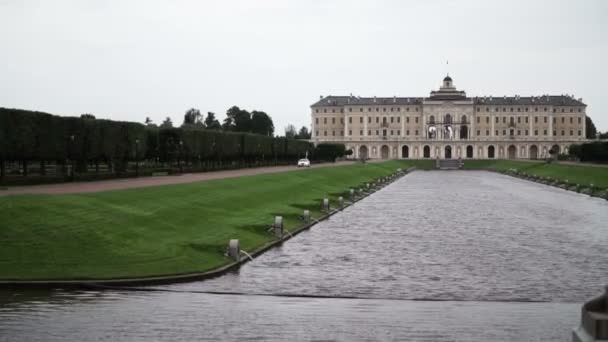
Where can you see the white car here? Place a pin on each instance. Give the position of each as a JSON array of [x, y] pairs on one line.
[[304, 162]]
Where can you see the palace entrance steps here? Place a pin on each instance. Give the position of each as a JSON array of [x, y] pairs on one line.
[[449, 164]]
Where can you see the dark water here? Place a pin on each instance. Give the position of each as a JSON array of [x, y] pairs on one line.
[[438, 256]]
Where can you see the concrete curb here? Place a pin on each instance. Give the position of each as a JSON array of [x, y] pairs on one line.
[[585, 190], [188, 277]]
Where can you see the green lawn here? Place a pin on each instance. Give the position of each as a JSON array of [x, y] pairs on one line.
[[161, 230], [581, 174]]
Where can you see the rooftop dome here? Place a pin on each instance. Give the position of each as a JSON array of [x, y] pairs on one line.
[[447, 79]]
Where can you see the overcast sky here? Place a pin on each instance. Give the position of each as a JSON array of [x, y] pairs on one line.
[[126, 60]]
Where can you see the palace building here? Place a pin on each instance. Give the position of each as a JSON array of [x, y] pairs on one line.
[[448, 124]]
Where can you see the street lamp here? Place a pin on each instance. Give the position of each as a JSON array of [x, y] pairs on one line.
[[71, 156], [136, 158], [181, 144]]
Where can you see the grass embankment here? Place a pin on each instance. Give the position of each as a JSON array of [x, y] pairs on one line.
[[161, 230], [573, 174]]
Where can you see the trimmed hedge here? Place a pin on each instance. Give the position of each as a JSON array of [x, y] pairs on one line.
[[35, 136], [590, 152]]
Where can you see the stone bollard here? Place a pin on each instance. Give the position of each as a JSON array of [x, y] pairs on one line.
[[234, 249], [278, 226], [352, 195], [341, 201], [325, 205], [306, 216]]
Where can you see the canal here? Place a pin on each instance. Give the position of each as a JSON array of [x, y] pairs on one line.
[[435, 256]]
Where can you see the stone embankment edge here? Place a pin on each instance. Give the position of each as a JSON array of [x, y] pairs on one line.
[[578, 188], [188, 277]]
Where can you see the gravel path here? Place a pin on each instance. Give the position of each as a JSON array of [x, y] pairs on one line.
[[129, 183]]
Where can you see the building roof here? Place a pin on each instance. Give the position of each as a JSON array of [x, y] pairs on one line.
[[447, 78], [551, 100]]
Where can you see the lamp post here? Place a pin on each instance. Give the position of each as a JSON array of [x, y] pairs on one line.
[[136, 157], [181, 144], [71, 156]]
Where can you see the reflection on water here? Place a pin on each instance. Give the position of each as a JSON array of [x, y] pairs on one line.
[[470, 238]]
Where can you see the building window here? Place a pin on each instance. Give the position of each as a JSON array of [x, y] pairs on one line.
[[325, 121], [544, 119], [398, 109], [526, 132], [398, 132], [361, 132], [571, 110], [416, 110], [342, 120], [504, 132], [554, 133], [563, 110], [487, 119], [392, 109], [407, 109], [487, 132], [407, 132], [369, 132], [350, 109], [416, 122], [563, 132], [333, 110], [544, 132], [377, 109], [496, 133], [535, 132], [369, 119], [391, 132], [407, 119], [333, 120], [519, 119], [377, 132], [571, 120], [526, 109], [571, 133], [324, 110], [369, 109], [398, 119], [361, 109], [333, 133], [316, 133], [350, 132], [504, 109], [526, 119], [518, 132], [497, 119], [478, 132], [392, 118], [579, 132], [317, 110], [504, 119], [478, 109], [511, 108], [478, 119], [579, 120], [384, 109], [350, 120], [325, 133], [536, 109], [316, 121], [563, 119], [416, 133]]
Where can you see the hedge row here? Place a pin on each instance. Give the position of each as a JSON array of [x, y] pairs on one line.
[[27, 135], [590, 152]]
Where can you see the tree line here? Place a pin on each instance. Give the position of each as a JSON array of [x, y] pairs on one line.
[[28, 136]]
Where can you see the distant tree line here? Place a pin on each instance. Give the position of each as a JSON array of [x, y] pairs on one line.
[[79, 142]]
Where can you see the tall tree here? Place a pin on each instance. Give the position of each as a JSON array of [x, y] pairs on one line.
[[192, 117], [590, 131], [303, 133], [261, 123], [290, 131], [87, 116], [238, 120], [148, 121], [167, 123], [211, 122]]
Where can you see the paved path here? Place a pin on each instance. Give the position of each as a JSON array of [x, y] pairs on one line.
[[129, 183]]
